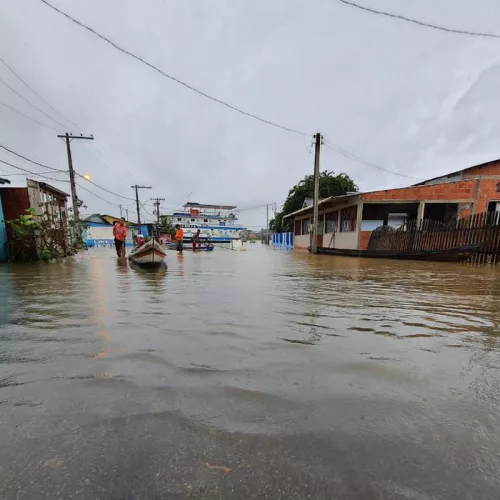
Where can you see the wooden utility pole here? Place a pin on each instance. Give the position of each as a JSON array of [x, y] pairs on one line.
[[74, 198], [314, 232], [157, 205], [137, 187]]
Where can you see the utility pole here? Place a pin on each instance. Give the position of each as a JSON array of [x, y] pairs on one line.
[[137, 187], [126, 213], [314, 232], [74, 198], [121, 211], [267, 224], [157, 205]]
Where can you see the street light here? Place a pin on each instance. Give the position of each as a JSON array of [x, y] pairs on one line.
[[87, 177]]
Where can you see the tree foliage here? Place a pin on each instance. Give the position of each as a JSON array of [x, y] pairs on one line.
[[166, 225], [330, 184]]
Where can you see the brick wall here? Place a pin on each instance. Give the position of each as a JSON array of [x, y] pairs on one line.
[[461, 190], [492, 168], [364, 239], [487, 192]]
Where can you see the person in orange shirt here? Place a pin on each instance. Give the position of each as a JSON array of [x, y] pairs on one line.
[[179, 236], [120, 234]]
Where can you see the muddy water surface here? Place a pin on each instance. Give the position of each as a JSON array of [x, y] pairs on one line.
[[252, 374]]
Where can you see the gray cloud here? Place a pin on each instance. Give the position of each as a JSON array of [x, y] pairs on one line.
[[414, 100]]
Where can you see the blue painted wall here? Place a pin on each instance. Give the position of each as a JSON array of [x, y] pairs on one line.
[[4, 249]]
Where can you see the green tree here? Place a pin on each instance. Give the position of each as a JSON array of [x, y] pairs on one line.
[[166, 225], [330, 184]]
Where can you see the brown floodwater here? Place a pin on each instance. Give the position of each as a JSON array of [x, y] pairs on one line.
[[251, 374]]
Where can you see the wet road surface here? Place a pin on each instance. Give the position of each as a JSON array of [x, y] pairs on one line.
[[254, 374]]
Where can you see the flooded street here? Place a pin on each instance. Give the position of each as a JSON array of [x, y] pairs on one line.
[[253, 374]]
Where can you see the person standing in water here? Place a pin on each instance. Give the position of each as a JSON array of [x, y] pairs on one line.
[[179, 236], [120, 235], [196, 239]]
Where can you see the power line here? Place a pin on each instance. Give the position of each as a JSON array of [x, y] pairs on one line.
[[104, 189], [29, 117], [37, 94], [46, 102], [416, 21], [170, 77], [31, 104], [97, 196], [358, 159], [40, 173], [32, 173], [64, 171], [31, 161]]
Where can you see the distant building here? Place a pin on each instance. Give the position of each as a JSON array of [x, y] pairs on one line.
[[217, 222], [99, 230], [346, 222], [43, 198]]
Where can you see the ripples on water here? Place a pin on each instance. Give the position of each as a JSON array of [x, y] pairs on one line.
[[259, 342]]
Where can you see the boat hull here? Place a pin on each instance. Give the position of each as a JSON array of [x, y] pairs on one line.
[[149, 254], [449, 255], [189, 246]]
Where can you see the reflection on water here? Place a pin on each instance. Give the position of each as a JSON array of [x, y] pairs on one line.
[[260, 342]]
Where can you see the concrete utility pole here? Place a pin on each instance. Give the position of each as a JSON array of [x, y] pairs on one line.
[[157, 205], [121, 211], [74, 198], [137, 187], [314, 232], [267, 224], [126, 213]]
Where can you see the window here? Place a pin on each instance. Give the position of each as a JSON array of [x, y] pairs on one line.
[[192, 220], [498, 187], [205, 220], [332, 222], [348, 218], [305, 226], [179, 219], [297, 227]]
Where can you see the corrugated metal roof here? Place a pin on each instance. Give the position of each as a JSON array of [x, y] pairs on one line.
[[321, 202]]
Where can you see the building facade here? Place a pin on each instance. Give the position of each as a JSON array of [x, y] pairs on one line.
[[99, 231], [346, 222], [43, 199]]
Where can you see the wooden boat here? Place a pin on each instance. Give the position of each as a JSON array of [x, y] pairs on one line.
[[152, 253], [449, 255], [189, 246]]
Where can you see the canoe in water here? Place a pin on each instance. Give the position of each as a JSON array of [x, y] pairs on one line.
[[152, 253]]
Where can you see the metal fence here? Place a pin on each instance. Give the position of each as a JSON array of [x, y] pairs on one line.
[[282, 240]]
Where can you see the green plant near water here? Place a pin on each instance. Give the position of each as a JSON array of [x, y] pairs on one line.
[[39, 236]]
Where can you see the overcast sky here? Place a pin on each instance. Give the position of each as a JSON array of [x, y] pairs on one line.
[[410, 99]]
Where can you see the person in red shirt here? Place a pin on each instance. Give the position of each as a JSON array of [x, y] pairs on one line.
[[120, 234]]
